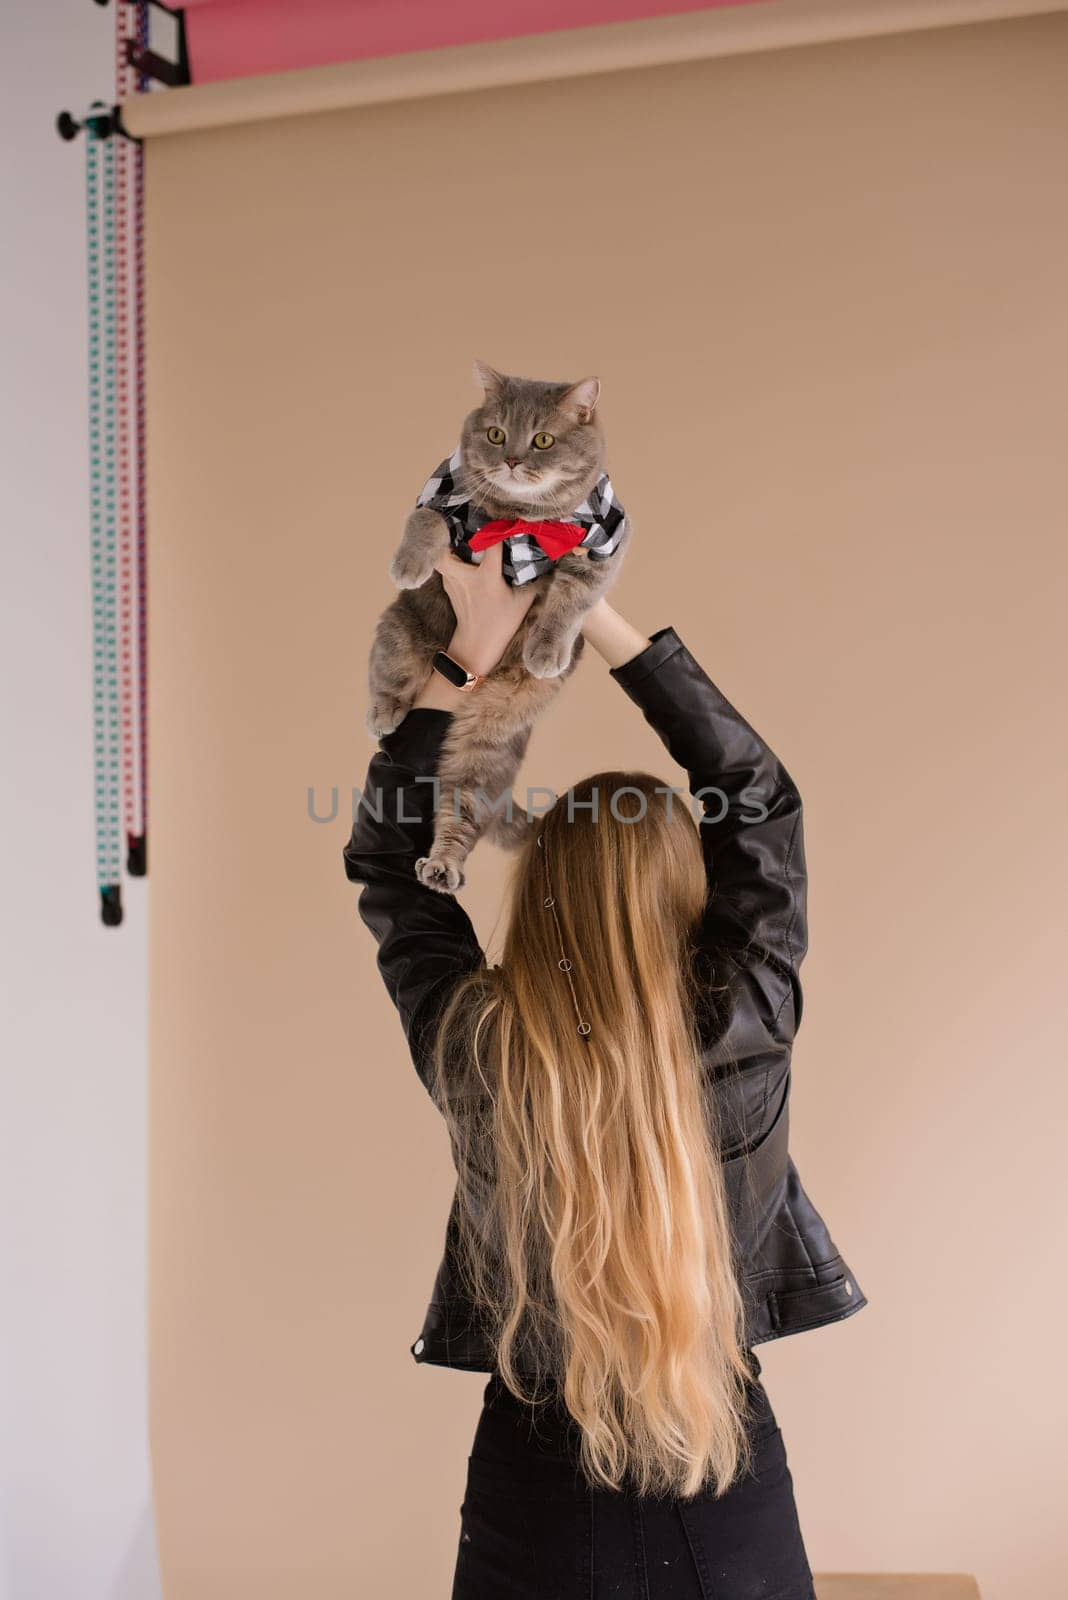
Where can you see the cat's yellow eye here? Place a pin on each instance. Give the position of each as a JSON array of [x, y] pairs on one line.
[[495, 435], [543, 441]]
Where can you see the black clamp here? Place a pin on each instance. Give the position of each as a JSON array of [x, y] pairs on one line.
[[100, 120]]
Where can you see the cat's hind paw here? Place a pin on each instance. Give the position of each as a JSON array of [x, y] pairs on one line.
[[547, 655], [437, 872], [385, 715]]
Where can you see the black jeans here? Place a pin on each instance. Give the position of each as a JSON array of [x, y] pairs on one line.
[[532, 1528]]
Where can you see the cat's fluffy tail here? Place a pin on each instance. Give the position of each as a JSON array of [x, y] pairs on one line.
[[511, 833]]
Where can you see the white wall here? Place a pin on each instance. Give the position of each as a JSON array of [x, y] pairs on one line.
[[75, 1513]]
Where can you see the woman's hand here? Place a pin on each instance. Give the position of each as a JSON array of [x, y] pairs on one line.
[[488, 612]]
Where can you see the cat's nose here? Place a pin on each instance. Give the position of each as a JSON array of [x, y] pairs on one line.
[[513, 461]]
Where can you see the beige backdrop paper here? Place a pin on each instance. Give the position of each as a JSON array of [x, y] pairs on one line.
[[825, 292]]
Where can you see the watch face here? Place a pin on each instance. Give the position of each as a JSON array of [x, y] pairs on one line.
[[450, 669]]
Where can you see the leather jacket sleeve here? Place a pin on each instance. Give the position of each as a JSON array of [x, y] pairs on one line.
[[753, 935], [425, 939]]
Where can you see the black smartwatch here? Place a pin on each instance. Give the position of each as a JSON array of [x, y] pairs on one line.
[[451, 670]]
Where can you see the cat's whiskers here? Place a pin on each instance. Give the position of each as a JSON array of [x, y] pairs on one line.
[[559, 501], [489, 493], [479, 494]]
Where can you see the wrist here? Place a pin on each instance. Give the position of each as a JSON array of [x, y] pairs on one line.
[[478, 655], [615, 639], [438, 692]]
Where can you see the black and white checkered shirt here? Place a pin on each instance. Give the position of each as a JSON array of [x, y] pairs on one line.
[[523, 559]]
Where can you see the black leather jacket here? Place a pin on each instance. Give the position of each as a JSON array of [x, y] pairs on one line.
[[752, 939]]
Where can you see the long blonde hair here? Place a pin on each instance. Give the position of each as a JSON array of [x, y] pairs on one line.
[[592, 1212]]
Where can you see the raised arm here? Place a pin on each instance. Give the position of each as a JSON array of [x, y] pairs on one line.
[[426, 941], [750, 826]]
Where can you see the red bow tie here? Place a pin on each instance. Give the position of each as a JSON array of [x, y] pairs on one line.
[[554, 538]]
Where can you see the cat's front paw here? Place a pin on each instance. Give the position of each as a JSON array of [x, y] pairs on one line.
[[410, 568], [385, 714], [546, 655], [438, 872]]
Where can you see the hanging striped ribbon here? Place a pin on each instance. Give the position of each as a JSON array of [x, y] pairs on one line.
[[138, 860], [99, 200], [114, 181], [127, 666], [129, 378]]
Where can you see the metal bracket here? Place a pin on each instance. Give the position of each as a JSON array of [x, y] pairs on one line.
[[173, 74]]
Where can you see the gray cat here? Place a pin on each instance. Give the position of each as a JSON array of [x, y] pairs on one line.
[[531, 453]]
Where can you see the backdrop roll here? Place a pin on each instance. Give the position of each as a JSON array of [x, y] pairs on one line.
[[824, 292]]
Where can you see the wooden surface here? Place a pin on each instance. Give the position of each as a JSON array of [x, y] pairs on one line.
[[896, 1586]]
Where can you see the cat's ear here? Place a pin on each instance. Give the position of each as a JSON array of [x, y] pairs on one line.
[[490, 379], [581, 399]]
